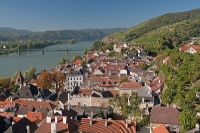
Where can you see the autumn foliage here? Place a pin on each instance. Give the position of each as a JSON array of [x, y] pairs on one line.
[[46, 79]]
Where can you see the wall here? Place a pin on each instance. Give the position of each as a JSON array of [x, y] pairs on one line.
[[81, 100]]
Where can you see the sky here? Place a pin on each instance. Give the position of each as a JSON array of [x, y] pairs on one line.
[[43, 15]]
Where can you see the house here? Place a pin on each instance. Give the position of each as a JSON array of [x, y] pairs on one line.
[[128, 87], [156, 85], [190, 49], [167, 60], [88, 97], [161, 129], [24, 125], [90, 125], [117, 47], [167, 116], [73, 79], [57, 124], [23, 110], [5, 95], [40, 106], [107, 83], [4, 124], [145, 94]]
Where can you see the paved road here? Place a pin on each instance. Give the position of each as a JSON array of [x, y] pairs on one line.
[[144, 130]]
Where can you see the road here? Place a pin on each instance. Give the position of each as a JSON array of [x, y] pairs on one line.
[[144, 130]]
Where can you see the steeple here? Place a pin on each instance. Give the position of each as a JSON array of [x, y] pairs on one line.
[[19, 79]]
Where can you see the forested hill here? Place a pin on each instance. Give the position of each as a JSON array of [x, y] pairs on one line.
[[182, 24], [9, 34]]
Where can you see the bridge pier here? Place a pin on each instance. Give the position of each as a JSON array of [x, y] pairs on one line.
[[19, 52], [66, 51], [42, 52]]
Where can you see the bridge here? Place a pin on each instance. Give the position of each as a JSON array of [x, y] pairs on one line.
[[44, 50]]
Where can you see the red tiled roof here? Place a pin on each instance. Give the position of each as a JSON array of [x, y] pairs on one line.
[[69, 127], [35, 116], [35, 104], [4, 104], [130, 85], [157, 83], [187, 47], [78, 62], [113, 92], [107, 82], [196, 47], [83, 92], [6, 114], [160, 129], [113, 126], [16, 119], [167, 59]]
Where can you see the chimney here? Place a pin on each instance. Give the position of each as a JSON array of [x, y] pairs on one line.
[[68, 96], [110, 72], [126, 124], [56, 119], [48, 119], [106, 123], [28, 129], [174, 105], [159, 81], [197, 127], [68, 107], [64, 120], [53, 127], [91, 114], [90, 121]]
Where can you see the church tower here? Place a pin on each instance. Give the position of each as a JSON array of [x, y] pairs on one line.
[[20, 79]]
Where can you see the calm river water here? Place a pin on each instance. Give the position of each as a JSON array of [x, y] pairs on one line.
[[12, 62]]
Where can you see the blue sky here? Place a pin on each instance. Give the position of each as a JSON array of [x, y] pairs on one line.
[[42, 15]]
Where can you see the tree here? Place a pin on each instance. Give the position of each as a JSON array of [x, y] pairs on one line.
[[14, 76], [187, 119], [62, 61], [58, 78], [26, 74], [167, 96], [85, 51], [45, 80], [83, 64], [31, 72], [100, 114], [76, 57], [127, 105]]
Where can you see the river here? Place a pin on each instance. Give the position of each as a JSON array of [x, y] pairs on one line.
[[12, 62]]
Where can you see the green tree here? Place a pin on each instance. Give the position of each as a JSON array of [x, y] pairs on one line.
[[14, 76], [100, 114], [167, 96], [127, 105], [187, 119], [76, 57], [26, 74], [31, 72], [85, 51], [62, 61]]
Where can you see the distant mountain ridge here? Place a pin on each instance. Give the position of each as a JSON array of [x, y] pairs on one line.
[[10, 34]]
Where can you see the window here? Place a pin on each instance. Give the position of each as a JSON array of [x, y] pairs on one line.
[[84, 104], [80, 78], [96, 104]]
